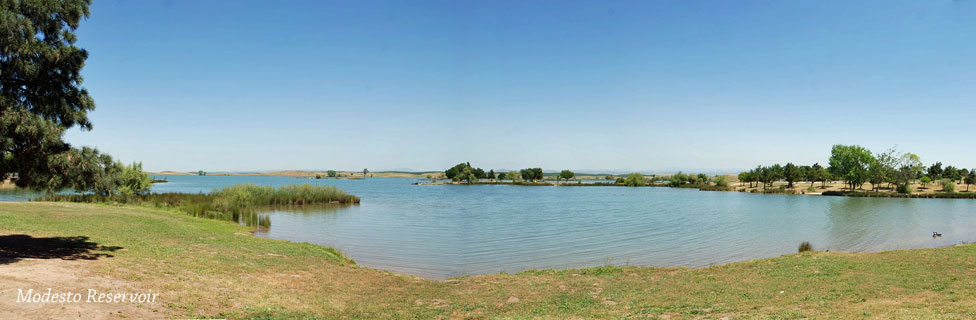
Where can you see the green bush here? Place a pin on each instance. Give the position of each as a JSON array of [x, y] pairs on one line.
[[904, 188], [635, 180], [925, 180], [804, 246], [948, 186], [721, 181]]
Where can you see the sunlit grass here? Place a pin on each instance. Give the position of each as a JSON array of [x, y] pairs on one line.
[[187, 258]]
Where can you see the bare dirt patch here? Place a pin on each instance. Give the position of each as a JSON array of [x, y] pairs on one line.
[[63, 276]]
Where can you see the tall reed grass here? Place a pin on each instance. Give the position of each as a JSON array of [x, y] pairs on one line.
[[238, 203]]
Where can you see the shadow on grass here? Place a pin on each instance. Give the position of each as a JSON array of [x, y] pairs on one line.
[[16, 247]]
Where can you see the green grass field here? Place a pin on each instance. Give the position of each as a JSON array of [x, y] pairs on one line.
[[214, 268]]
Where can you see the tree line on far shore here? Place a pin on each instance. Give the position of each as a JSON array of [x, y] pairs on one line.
[[464, 172], [856, 165]]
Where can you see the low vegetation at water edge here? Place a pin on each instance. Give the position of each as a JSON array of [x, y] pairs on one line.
[[234, 203]]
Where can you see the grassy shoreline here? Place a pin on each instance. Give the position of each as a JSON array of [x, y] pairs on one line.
[[214, 268]]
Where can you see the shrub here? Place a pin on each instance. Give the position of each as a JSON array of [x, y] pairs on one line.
[[904, 188], [721, 181], [948, 186], [677, 179], [635, 180], [925, 180], [620, 180], [811, 188], [804, 246]]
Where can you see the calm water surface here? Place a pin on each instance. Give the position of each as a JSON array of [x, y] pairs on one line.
[[454, 230]]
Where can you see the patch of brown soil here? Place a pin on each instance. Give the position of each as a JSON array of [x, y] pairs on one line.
[[63, 276]]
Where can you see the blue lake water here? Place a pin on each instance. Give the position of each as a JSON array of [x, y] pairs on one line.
[[454, 230]]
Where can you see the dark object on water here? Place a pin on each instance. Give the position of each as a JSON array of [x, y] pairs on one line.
[[936, 234]]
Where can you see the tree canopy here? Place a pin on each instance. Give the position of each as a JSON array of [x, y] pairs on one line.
[[851, 163], [41, 97], [566, 175], [531, 174], [635, 180], [41, 94]]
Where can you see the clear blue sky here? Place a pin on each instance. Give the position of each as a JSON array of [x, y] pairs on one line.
[[644, 85]]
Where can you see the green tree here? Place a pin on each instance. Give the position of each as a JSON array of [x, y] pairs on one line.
[[514, 176], [935, 171], [721, 181], [769, 175], [365, 171], [851, 164], [332, 173], [951, 173], [466, 174], [502, 176], [806, 173], [924, 180], [566, 175], [635, 180], [910, 167], [743, 177], [491, 175], [41, 94], [677, 179], [454, 172], [885, 168], [133, 181], [702, 178], [531, 174], [537, 173], [970, 178], [792, 174]]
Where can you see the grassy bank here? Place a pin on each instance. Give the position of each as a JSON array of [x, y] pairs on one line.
[[213, 268]]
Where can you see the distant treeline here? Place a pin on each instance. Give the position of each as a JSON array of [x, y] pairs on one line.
[[856, 165], [464, 172]]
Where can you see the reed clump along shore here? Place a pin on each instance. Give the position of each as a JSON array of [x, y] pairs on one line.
[[237, 203]]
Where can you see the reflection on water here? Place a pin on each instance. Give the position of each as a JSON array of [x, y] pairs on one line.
[[16, 194], [440, 231]]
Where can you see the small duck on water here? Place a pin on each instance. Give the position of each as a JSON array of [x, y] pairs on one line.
[[936, 234]]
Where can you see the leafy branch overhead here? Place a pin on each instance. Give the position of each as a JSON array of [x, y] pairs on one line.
[[41, 96]]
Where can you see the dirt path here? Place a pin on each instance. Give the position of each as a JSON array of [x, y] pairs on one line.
[[63, 276]]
